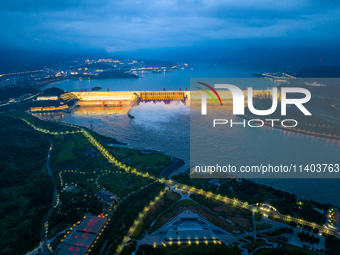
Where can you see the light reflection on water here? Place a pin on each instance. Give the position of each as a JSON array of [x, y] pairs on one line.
[[163, 127], [166, 128]]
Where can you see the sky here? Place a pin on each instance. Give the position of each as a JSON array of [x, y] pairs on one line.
[[151, 27]]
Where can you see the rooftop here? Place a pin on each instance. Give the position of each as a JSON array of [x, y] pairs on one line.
[[81, 239], [72, 250], [91, 224]]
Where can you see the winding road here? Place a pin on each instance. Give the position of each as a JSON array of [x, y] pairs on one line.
[[44, 227]]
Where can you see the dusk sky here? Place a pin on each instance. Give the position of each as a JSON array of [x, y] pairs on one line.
[[135, 26]]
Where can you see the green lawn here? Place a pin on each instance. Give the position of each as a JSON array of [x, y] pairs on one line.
[[168, 199], [184, 205], [153, 163], [122, 183], [123, 217], [76, 177], [68, 154], [69, 161], [46, 124]]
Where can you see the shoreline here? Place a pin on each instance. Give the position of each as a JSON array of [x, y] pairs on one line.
[[295, 194], [164, 153], [177, 162], [294, 130]]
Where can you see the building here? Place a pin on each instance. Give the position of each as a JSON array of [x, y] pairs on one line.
[[44, 98], [83, 236], [49, 108], [188, 227]]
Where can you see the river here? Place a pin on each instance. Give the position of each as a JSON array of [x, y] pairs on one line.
[[167, 128]]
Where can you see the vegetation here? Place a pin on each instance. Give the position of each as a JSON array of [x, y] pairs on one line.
[[149, 249], [200, 249], [290, 223], [75, 204], [190, 205], [309, 238], [72, 168], [122, 183], [147, 162], [169, 198], [52, 92], [279, 231], [251, 192], [46, 124], [332, 245], [6, 92], [26, 189], [284, 250], [107, 75], [96, 88], [68, 154], [263, 225], [123, 217], [26, 192], [71, 177], [240, 217], [152, 163], [255, 243], [128, 250], [258, 216]]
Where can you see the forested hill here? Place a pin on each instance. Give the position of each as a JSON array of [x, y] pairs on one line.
[[26, 189]]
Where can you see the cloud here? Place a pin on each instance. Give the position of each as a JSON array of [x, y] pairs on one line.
[[120, 26]]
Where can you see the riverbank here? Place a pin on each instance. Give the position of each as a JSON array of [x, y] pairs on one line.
[[300, 196], [166, 128], [113, 142], [333, 137]]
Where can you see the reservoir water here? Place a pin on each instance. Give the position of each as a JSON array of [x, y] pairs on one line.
[[166, 128]]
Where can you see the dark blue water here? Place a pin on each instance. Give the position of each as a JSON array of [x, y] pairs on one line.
[[171, 80], [167, 128]]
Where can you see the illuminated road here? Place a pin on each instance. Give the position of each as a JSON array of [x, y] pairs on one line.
[[24, 99], [137, 221], [45, 223], [267, 211]]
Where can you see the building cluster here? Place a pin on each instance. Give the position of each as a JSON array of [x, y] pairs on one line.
[[76, 68]]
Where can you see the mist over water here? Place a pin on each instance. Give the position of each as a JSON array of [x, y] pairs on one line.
[[166, 127], [156, 126], [157, 115]]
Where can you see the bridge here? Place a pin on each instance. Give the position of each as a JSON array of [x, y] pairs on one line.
[[130, 98]]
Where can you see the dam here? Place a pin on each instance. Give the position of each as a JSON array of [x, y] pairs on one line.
[[125, 98], [131, 98]]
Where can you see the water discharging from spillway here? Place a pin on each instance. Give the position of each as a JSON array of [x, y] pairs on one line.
[[157, 116], [166, 127], [156, 126]]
